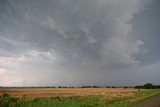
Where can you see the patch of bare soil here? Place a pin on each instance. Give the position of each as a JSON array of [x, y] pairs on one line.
[[153, 101]]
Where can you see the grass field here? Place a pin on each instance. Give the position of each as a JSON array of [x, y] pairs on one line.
[[72, 97]]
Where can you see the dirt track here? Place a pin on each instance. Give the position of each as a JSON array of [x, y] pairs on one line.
[[150, 102]]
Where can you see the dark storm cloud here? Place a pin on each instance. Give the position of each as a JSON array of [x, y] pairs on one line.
[[70, 42], [147, 27]]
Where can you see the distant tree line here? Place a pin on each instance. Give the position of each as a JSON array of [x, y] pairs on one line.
[[147, 86], [64, 87], [98, 86]]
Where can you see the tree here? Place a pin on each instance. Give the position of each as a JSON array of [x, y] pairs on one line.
[[148, 86]]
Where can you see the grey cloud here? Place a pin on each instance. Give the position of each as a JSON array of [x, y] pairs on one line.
[[67, 40], [146, 27]]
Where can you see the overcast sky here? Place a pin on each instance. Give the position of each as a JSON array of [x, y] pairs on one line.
[[79, 42]]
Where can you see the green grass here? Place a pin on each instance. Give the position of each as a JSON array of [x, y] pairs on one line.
[[128, 101], [77, 101], [90, 101]]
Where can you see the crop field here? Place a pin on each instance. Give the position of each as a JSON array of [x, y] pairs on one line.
[[53, 92], [72, 97]]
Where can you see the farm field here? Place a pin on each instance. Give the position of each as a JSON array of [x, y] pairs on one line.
[[53, 92], [72, 97]]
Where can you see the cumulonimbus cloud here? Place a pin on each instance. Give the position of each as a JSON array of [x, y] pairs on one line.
[[68, 39]]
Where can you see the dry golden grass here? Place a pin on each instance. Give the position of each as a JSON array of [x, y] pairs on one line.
[[53, 92]]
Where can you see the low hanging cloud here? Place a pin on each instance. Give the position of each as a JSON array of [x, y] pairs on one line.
[[69, 42]]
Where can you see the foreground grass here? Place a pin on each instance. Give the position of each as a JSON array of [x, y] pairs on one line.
[[129, 101], [77, 101]]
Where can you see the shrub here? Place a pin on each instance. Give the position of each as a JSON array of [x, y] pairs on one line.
[[5, 95]]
